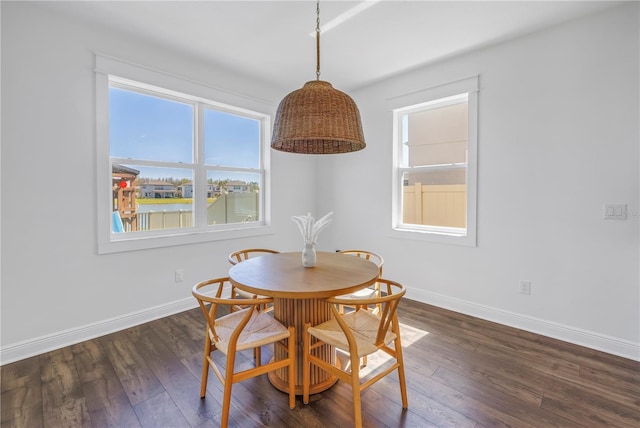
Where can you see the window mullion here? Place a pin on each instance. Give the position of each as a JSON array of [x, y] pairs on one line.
[[144, 162], [200, 179], [446, 166], [234, 169]]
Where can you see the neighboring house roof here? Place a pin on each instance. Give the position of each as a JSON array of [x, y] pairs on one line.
[[157, 183], [124, 169]]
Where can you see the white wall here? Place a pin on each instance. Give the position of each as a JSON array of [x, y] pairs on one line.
[[558, 138], [56, 289]]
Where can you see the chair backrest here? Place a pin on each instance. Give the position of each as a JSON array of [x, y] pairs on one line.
[[241, 255], [367, 255], [391, 291], [210, 292]]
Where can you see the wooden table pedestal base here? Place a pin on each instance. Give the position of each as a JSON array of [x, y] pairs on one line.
[[298, 312]]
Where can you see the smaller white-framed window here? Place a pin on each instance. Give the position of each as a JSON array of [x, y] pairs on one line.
[[435, 144], [177, 162]]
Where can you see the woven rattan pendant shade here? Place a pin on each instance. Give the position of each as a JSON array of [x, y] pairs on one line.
[[317, 119]]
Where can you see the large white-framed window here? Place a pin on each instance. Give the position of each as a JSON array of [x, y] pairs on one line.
[[178, 162], [435, 151]]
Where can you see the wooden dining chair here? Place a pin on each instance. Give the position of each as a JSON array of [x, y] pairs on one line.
[[359, 333], [232, 332], [240, 256], [365, 292]]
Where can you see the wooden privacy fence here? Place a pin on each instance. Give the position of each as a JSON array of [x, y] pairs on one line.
[[231, 208], [160, 220], [435, 205]]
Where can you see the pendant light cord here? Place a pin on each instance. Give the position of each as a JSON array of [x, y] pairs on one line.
[[318, 40]]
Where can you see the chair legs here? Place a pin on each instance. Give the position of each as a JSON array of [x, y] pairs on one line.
[[226, 387], [205, 367], [257, 356], [306, 369], [355, 390], [292, 367], [232, 308], [400, 359]]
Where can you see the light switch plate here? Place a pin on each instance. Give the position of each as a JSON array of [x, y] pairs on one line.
[[615, 211]]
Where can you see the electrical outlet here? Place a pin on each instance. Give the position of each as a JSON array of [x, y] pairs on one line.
[[525, 287], [179, 275]]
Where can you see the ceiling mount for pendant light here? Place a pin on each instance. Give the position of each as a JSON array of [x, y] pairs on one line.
[[317, 119]]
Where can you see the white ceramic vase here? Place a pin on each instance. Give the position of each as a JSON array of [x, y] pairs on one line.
[[309, 255]]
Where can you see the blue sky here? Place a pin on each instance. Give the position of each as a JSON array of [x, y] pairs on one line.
[[151, 128]]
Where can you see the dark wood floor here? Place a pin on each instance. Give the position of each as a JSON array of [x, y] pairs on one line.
[[461, 372]]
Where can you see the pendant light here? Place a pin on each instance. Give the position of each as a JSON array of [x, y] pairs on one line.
[[317, 119]]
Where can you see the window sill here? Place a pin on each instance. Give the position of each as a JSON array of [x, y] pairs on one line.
[[468, 240], [148, 242]]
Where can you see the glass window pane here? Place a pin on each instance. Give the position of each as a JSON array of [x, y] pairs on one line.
[[435, 198], [231, 140], [150, 128], [233, 197], [151, 198], [436, 135]]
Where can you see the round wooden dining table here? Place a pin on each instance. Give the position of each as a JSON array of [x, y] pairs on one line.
[[298, 294]]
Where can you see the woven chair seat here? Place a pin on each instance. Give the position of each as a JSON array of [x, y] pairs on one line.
[[260, 330], [365, 293], [364, 325], [376, 258], [247, 295]]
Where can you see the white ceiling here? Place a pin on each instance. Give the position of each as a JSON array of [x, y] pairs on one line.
[[271, 40]]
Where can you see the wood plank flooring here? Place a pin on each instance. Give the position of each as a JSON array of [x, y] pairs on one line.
[[461, 371]]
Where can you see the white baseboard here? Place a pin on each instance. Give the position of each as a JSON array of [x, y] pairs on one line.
[[61, 339], [610, 345]]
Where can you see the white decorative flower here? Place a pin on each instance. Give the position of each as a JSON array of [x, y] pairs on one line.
[[310, 228]]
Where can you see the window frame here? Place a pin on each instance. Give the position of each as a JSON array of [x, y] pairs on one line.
[[418, 101], [143, 79]]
